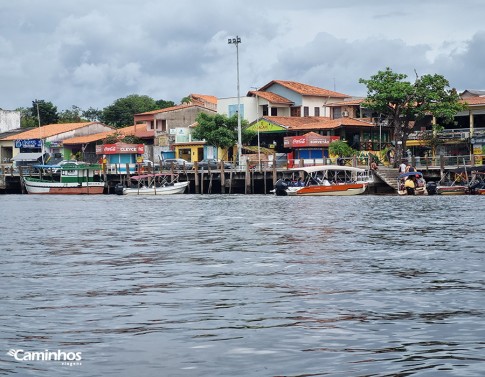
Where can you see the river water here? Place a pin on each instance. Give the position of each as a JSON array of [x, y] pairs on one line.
[[235, 285]]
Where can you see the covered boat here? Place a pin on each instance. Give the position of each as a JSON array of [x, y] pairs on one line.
[[331, 180], [153, 184], [416, 184], [71, 178]]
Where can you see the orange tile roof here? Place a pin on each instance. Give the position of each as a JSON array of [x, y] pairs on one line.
[[352, 102], [138, 130], [305, 90], [317, 123], [474, 100], [271, 97], [48, 130], [205, 97], [167, 109]]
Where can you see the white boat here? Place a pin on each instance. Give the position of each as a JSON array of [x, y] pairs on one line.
[[73, 178], [325, 180], [153, 184]]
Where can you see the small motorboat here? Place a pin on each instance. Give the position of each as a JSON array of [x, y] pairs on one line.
[[325, 180], [153, 184], [418, 186]]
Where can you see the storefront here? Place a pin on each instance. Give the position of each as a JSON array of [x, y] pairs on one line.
[[311, 146], [118, 155]]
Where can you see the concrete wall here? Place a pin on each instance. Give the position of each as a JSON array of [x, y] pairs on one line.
[[9, 120]]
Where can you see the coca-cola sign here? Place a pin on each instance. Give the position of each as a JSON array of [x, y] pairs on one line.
[[120, 148], [308, 140]]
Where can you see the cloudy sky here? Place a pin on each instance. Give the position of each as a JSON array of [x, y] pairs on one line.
[[89, 53]]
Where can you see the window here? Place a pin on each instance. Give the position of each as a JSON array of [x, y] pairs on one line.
[[295, 112], [265, 110], [306, 111], [274, 111], [164, 125], [317, 111]]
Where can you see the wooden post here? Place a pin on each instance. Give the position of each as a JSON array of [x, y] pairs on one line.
[[223, 179], [247, 180], [196, 178], [22, 183], [264, 180], [442, 166], [274, 171]]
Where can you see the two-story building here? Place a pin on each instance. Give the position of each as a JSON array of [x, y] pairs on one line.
[[172, 127]]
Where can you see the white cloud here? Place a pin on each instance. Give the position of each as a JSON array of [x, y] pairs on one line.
[[91, 52]]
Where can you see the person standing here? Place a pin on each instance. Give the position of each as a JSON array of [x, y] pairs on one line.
[[402, 167]]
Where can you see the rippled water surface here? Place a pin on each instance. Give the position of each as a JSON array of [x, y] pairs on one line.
[[234, 285]]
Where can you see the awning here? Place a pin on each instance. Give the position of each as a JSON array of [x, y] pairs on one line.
[[27, 157]]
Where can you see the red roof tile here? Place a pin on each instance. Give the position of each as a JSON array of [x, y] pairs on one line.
[[474, 101], [317, 123], [138, 130], [205, 97], [48, 130], [271, 97], [305, 90]]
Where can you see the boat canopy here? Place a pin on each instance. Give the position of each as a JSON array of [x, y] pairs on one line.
[[410, 174], [320, 168], [145, 176], [31, 156]]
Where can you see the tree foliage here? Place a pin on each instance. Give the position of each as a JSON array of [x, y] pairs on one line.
[[218, 130], [47, 112], [404, 103], [72, 115], [341, 148], [162, 104], [122, 111]]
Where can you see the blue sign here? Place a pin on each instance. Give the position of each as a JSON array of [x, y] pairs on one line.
[[28, 143]]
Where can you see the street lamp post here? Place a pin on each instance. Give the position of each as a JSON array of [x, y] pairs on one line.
[[236, 41], [257, 120], [40, 135]]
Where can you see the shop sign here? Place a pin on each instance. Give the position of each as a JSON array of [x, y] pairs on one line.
[[28, 143], [265, 126], [120, 148], [308, 141]]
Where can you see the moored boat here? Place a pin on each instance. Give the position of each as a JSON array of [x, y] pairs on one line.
[[153, 184], [325, 180], [411, 183], [74, 178]]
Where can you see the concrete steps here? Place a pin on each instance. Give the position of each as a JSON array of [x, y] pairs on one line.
[[388, 176]]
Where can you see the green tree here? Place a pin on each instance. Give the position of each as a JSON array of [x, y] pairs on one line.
[[162, 104], [72, 115], [92, 114], [341, 148], [406, 104], [122, 111], [46, 111], [27, 119], [218, 130]]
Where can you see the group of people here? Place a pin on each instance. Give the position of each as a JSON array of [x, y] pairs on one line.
[[406, 167]]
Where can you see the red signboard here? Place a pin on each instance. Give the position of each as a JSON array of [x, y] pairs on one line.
[[120, 148], [308, 141]]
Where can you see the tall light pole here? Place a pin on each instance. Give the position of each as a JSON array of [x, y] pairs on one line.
[[40, 136], [236, 41], [257, 119]]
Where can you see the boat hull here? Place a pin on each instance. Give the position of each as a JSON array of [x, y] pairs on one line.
[[332, 190], [58, 188], [451, 190], [176, 188]]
